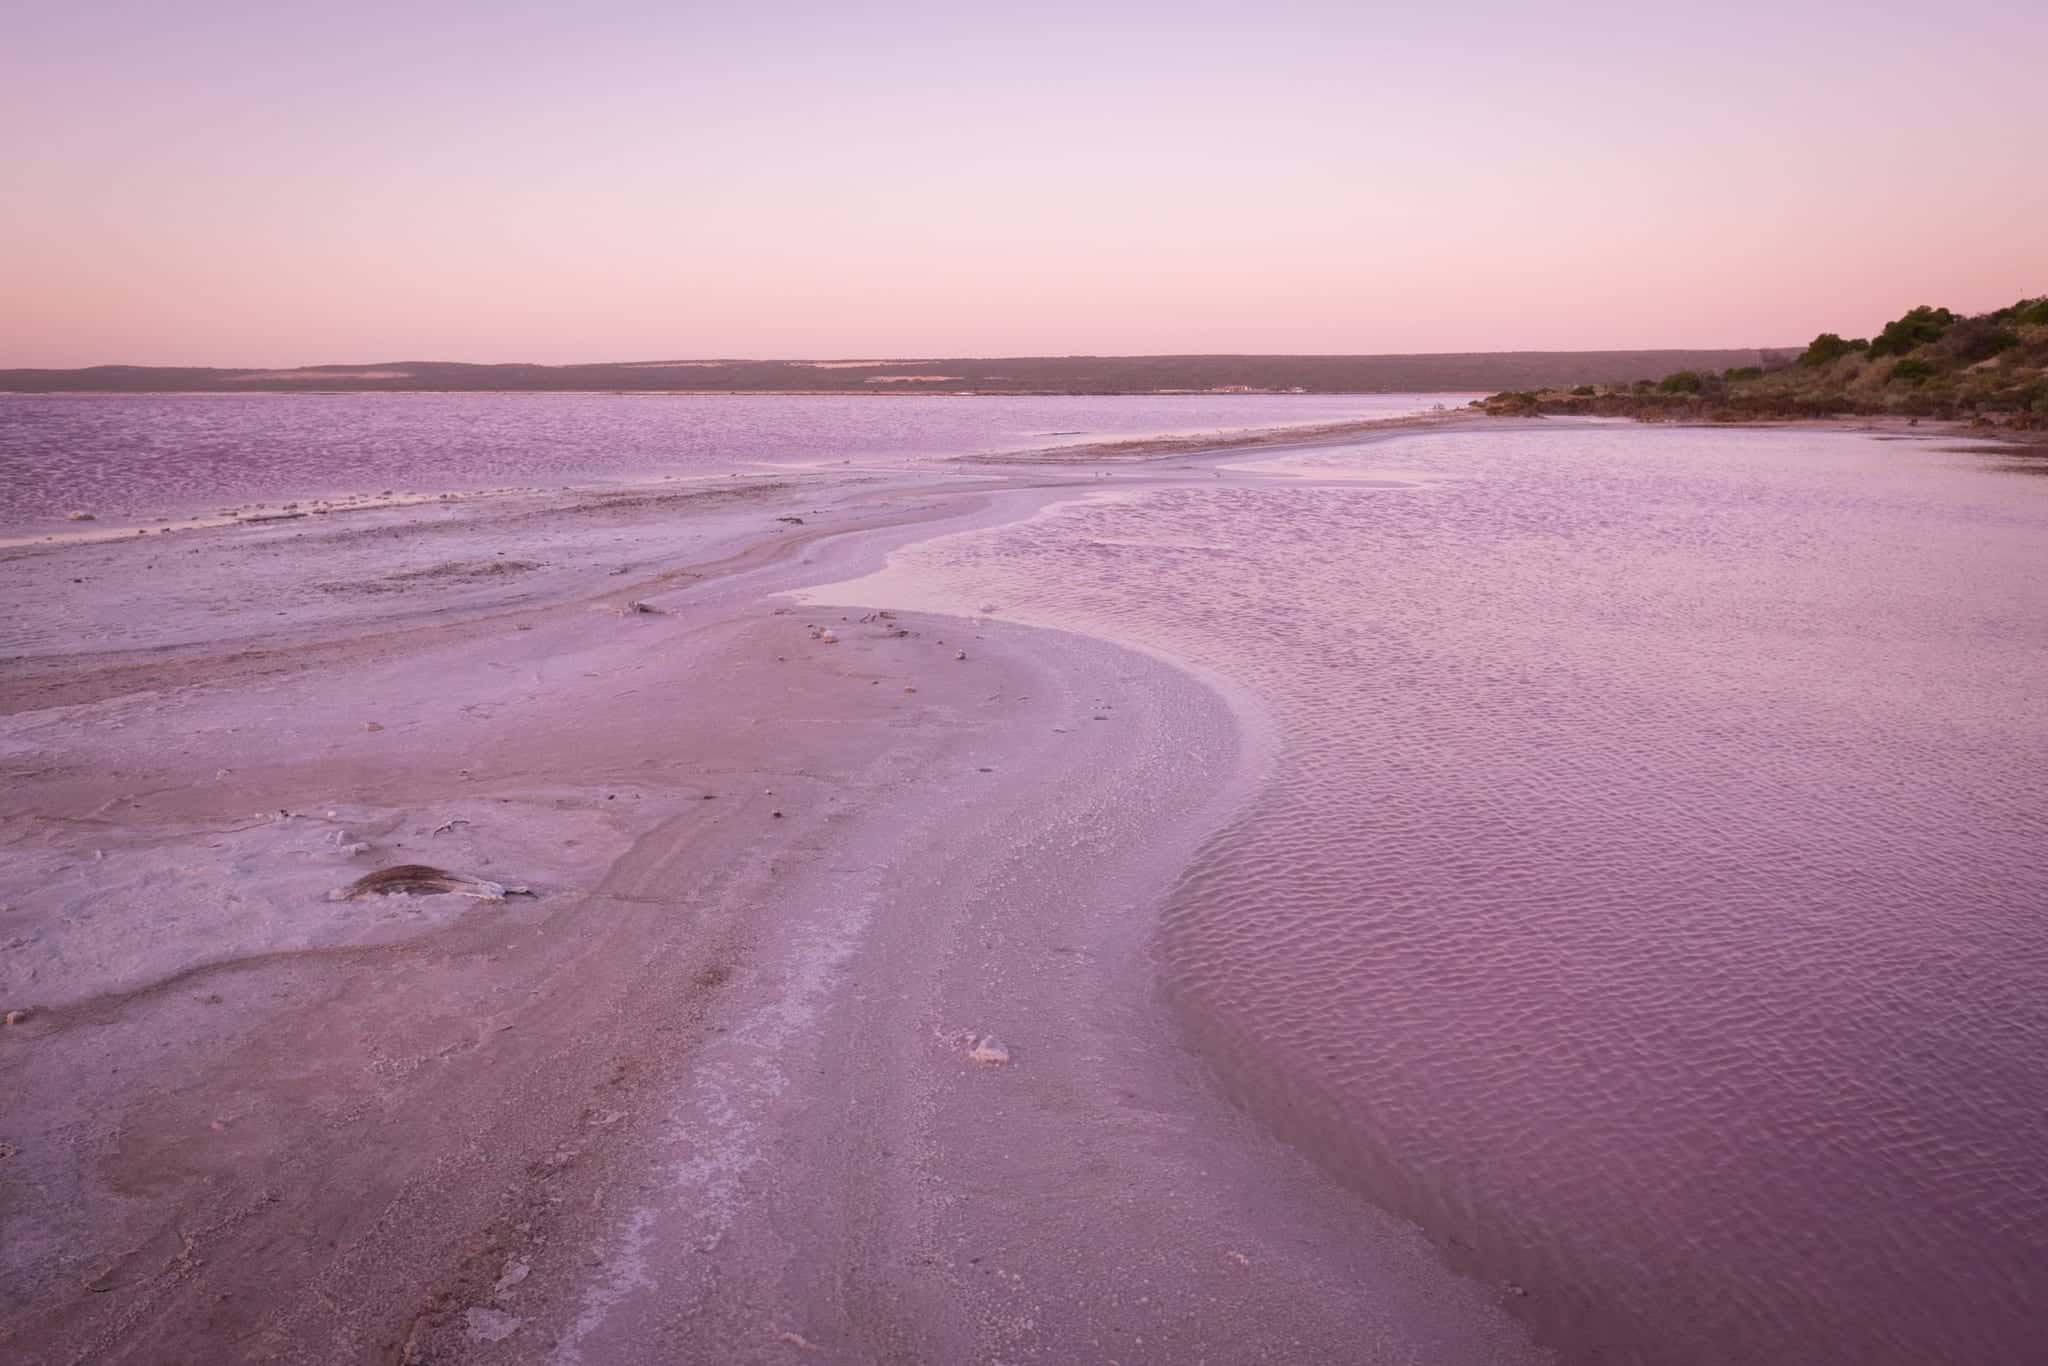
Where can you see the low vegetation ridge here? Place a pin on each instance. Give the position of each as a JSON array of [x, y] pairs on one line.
[[1991, 369], [1481, 371]]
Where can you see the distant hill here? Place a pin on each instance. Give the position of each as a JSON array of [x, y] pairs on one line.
[[1478, 371], [1929, 362]]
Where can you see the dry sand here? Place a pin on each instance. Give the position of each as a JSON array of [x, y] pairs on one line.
[[723, 1087]]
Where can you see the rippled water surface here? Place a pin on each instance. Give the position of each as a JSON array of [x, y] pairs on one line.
[[1651, 895], [147, 456]]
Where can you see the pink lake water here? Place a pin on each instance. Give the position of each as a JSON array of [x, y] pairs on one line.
[[147, 456], [1650, 894]]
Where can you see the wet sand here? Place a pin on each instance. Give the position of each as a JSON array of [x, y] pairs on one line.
[[721, 1088]]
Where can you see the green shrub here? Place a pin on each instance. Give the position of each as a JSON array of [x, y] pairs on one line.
[[1513, 402], [1912, 371], [1584, 391], [1744, 372], [2035, 311], [1680, 382], [1829, 347], [1918, 327], [1976, 339]]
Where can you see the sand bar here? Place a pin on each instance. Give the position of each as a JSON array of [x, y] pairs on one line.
[[825, 1033]]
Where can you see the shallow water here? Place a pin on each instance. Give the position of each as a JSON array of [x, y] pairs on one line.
[[1651, 895], [144, 456]]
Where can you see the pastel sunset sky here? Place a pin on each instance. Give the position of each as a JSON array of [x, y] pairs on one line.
[[205, 182]]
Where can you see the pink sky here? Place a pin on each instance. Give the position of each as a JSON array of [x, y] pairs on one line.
[[256, 184]]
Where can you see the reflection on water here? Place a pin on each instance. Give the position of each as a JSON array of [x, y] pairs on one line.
[[1651, 898], [129, 455]]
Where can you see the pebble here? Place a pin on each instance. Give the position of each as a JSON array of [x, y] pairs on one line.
[[989, 1049], [491, 1325], [515, 1272]]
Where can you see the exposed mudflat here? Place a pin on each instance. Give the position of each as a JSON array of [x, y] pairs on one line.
[[824, 1027]]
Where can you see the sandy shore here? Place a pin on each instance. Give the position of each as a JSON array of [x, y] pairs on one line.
[[721, 1087], [1258, 438]]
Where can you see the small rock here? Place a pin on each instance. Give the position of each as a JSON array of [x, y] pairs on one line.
[[828, 638], [372, 726], [15, 1017], [515, 1272], [989, 1049], [490, 1325], [959, 654], [80, 517]]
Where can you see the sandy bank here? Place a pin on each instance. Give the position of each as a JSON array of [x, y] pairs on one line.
[[709, 1093], [1254, 438]]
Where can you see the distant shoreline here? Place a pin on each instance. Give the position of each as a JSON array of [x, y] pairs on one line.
[[890, 392], [1013, 376]]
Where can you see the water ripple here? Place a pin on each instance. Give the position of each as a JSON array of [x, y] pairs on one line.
[[1650, 897]]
